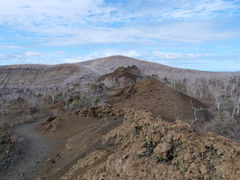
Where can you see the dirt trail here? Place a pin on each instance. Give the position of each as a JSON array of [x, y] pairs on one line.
[[27, 155]]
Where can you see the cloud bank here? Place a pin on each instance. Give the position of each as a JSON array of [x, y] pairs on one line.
[[156, 29]]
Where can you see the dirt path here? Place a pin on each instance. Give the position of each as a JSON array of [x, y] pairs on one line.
[[27, 155]]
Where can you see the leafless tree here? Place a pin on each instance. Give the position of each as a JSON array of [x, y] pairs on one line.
[[236, 107], [195, 111]]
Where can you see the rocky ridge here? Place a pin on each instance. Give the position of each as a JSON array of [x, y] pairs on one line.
[[151, 148], [154, 96]]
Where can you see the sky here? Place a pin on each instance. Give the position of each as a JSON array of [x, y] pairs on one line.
[[192, 34]]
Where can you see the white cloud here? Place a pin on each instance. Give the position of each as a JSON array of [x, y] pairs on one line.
[[72, 22], [175, 56], [144, 25], [100, 54], [55, 57], [45, 13], [31, 53], [188, 32], [4, 46], [21, 55], [201, 9], [201, 61], [31, 57]]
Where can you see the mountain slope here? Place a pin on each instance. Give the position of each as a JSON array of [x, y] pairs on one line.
[[139, 129], [41, 76], [220, 89], [108, 64], [161, 100]]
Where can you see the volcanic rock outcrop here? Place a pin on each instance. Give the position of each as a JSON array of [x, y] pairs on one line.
[[151, 148], [121, 76]]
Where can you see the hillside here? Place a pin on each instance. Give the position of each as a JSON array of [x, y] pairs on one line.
[[43, 76], [69, 82], [110, 141], [161, 100], [40, 75], [98, 123], [218, 88], [108, 64]]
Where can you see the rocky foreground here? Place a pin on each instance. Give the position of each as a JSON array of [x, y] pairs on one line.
[[151, 148]]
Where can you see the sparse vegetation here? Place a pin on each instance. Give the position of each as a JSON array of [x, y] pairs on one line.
[[72, 100]]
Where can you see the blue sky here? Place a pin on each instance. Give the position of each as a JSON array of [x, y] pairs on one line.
[[196, 34]]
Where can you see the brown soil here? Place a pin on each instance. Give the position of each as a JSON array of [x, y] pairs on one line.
[[76, 135], [27, 155], [161, 100]]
